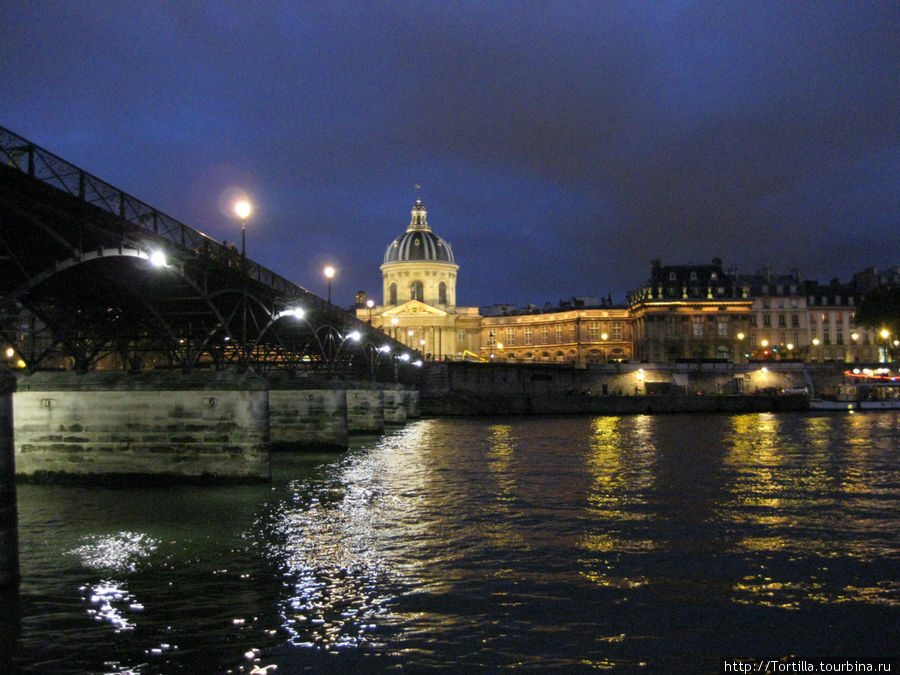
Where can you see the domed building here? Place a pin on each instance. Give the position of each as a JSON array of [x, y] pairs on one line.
[[419, 294]]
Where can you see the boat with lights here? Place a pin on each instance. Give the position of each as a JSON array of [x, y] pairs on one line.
[[866, 389]]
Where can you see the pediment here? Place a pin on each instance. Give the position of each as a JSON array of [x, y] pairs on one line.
[[414, 308]]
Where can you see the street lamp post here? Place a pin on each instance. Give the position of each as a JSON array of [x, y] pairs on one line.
[[370, 303], [242, 209], [329, 273]]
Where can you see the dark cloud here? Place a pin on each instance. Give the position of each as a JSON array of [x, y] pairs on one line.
[[560, 145]]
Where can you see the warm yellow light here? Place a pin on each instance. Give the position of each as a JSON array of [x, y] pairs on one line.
[[394, 321], [884, 333], [740, 336], [20, 363], [10, 352], [329, 271], [790, 346], [242, 209], [854, 336], [604, 336], [499, 345], [764, 343], [370, 303], [816, 341], [410, 333]]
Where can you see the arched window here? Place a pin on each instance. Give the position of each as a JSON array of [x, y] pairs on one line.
[[417, 291], [442, 293], [392, 300]]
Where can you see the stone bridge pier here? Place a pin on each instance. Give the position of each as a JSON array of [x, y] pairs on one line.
[[203, 426], [9, 539]]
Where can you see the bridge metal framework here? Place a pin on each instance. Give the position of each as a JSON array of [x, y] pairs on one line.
[[93, 278]]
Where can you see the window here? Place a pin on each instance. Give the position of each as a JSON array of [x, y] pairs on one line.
[[545, 334], [840, 337], [510, 336], [723, 329], [416, 291], [442, 293], [795, 320], [697, 322], [767, 320], [461, 335], [826, 336], [558, 333], [593, 331], [529, 336], [616, 330], [782, 320], [392, 294]]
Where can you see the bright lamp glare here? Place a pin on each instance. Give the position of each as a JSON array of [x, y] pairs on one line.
[[158, 259], [404, 357], [297, 313], [242, 209], [355, 335], [385, 349]]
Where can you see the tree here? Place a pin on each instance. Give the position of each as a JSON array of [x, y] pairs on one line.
[[880, 309]]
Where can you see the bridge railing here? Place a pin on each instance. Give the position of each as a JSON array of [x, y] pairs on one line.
[[22, 154]]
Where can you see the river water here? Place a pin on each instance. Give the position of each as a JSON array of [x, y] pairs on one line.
[[637, 544]]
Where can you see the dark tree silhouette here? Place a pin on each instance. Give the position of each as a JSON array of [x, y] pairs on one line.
[[880, 309]]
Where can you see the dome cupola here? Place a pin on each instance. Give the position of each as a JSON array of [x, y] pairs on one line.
[[418, 243]]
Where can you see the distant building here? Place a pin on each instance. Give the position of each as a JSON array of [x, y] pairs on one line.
[[690, 312], [419, 295], [566, 334]]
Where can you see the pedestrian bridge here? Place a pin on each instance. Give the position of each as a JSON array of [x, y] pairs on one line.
[[92, 278]]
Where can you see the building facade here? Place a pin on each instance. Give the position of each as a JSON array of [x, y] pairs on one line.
[[418, 305], [695, 312]]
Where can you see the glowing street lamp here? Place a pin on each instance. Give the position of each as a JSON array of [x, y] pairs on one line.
[[243, 209], [329, 274]]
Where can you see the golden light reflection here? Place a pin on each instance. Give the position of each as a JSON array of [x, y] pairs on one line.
[[619, 463], [500, 453]]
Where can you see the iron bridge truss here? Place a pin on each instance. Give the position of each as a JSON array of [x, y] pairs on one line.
[[92, 278]]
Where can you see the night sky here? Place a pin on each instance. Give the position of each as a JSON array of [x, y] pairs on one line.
[[560, 146]]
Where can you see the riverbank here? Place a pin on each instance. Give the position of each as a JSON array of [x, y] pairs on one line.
[[464, 388]]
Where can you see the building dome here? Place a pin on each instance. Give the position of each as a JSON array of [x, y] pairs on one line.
[[418, 243]]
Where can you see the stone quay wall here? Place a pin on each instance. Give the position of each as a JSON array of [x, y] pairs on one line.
[[466, 388], [199, 426]]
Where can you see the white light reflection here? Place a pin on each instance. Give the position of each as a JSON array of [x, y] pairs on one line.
[[111, 600], [344, 544], [119, 552]]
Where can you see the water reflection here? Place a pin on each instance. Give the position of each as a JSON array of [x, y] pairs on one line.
[[813, 502], [337, 538], [564, 543]]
